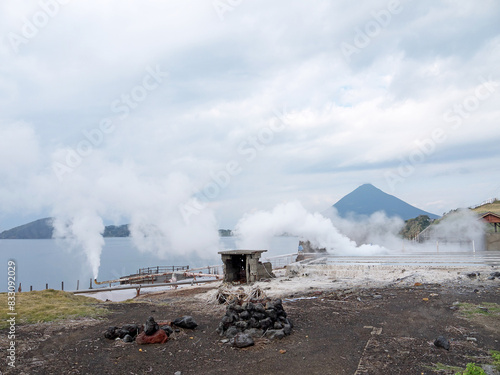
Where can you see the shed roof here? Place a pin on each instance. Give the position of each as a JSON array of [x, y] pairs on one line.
[[490, 217], [241, 252]]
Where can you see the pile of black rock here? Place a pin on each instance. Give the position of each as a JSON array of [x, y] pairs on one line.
[[151, 332], [127, 333], [245, 321], [494, 275]]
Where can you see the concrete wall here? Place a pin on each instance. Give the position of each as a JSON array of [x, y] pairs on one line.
[[254, 269], [493, 241]]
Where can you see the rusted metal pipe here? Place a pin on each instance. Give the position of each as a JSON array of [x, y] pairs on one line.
[[142, 277], [195, 275], [125, 287], [152, 276]]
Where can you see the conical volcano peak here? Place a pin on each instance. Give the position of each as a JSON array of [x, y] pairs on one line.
[[368, 199]]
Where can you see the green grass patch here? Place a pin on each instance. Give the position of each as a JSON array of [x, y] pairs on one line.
[[48, 306], [495, 354], [472, 369], [442, 367], [470, 310]]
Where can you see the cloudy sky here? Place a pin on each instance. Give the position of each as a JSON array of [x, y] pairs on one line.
[[125, 109]]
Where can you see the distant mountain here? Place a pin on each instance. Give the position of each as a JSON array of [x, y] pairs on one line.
[[43, 229], [367, 199], [39, 229], [116, 231]]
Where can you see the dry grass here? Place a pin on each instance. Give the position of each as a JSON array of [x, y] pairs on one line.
[[491, 207], [50, 305], [486, 314], [485, 309]]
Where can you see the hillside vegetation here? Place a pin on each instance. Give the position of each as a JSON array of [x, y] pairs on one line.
[[489, 207], [414, 226]]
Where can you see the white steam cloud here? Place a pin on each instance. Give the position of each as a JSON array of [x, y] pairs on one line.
[[125, 193], [374, 229], [357, 235], [256, 230], [461, 229], [82, 231]]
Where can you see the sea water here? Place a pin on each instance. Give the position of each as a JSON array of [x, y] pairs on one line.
[[50, 262]]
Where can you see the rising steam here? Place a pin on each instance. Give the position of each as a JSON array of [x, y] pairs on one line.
[[82, 231], [256, 230], [123, 193], [374, 229], [459, 229]]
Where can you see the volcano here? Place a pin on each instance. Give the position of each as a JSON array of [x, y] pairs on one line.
[[367, 199]]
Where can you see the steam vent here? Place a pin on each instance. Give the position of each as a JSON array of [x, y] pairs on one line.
[[244, 266]]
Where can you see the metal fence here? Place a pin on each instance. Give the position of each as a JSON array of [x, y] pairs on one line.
[[161, 269], [280, 261]]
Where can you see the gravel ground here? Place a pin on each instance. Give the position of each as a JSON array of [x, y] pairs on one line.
[[343, 329]]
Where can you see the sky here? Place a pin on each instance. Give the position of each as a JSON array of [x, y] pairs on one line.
[[194, 114]]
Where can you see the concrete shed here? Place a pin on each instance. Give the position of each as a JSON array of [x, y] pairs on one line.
[[244, 266]]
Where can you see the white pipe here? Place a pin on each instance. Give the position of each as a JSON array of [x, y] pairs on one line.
[[135, 286]]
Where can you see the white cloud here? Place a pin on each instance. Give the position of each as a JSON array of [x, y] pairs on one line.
[[350, 121]]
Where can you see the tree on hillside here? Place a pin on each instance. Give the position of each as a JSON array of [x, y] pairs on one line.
[[415, 226]]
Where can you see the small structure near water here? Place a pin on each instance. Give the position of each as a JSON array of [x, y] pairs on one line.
[[244, 266], [157, 274]]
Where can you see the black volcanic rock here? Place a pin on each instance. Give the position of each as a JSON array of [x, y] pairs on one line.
[[151, 327], [185, 322], [442, 342]]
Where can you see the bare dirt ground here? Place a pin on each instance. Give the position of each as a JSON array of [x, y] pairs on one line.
[[386, 330]]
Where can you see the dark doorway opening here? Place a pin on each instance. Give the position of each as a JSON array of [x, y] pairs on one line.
[[238, 267]]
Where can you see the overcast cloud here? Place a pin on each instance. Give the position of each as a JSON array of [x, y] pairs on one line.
[[198, 112]]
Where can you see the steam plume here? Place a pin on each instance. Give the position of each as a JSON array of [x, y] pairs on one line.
[[99, 189], [255, 230]]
